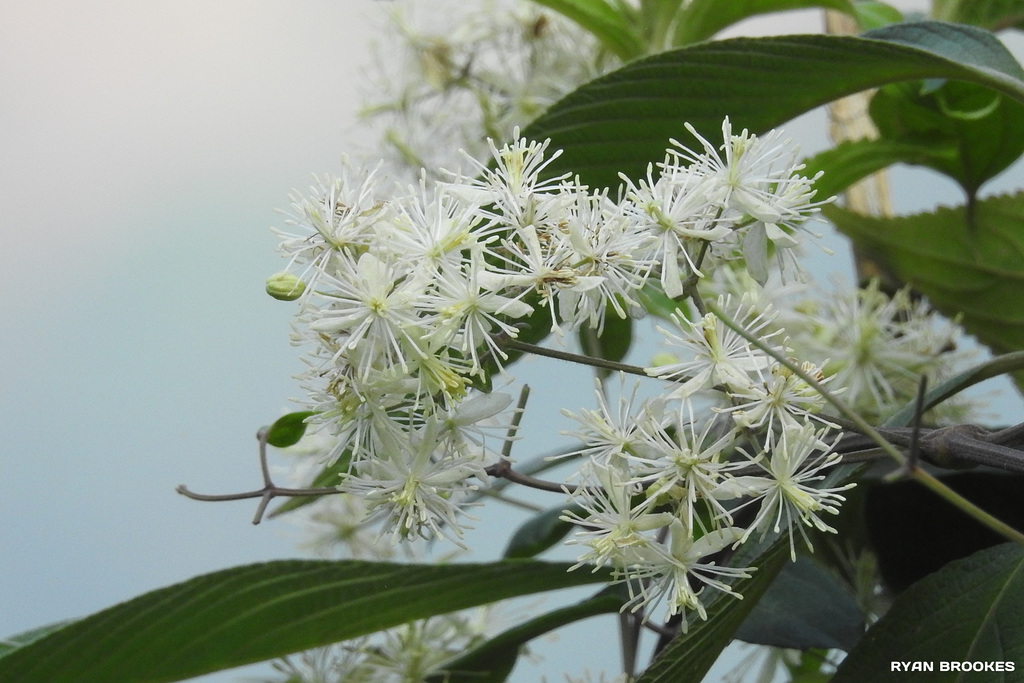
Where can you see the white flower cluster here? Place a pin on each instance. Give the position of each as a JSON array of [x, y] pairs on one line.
[[664, 489], [410, 302], [416, 651], [879, 345], [497, 63]]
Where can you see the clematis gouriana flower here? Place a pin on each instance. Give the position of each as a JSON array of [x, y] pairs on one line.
[[409, 300]]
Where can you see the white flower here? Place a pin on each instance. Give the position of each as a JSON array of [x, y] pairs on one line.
[[516, 186], [670, 573], [465, 427], [793, 461], [608, 435], [433, 230], [371, 309], [757, 178], [720, 356], [413, 487], [541, 265], [341, 216], [880, 346], [469, 316], [454, 73], [357, 410], [682, 466], [782, 399], [609, 249], [677, 211], [615, 517]]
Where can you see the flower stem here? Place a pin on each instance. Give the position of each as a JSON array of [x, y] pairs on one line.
[[578, 358]]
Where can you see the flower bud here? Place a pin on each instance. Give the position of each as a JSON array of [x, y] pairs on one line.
[[285, 287]]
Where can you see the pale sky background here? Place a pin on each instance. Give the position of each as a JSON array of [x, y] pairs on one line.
[[145, 146]]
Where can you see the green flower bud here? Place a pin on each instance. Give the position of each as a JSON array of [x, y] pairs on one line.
[[285, 287]]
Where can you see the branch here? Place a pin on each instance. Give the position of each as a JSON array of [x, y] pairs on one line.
[[265, 494]]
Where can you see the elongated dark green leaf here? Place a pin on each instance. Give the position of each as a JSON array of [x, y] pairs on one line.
[[288, 429], [1000, 365], [540, 532], [702, 19], [805, 607], [258, 612], [622, 121], [606, 22], [689, 656], [12, 643], [969, 611], [494, 660], [976, 270], [848, 162]]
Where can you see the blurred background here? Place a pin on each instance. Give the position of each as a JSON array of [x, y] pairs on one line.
[[145, 147]]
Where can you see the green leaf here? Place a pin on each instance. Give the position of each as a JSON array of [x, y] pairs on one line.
[[701, 19], [977, 128], [608, 23], [913, 532], [1000, 365], [966, 45], [262, 611], [967, 611], [689, 656], [12, 643], [803, 608], [993, 15], [540, 532], [851, 161], [622, 121], [288, 429], [494, 660], [975, 270]]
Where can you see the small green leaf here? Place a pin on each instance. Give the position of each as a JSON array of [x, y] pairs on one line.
[[288, 429], [540, 532], [969, 611], [803, 608], [657, 303], [492, 661], [250, 614]]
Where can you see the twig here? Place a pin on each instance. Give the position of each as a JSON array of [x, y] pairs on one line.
[[265, 494], [503, 469], [576, 358]]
